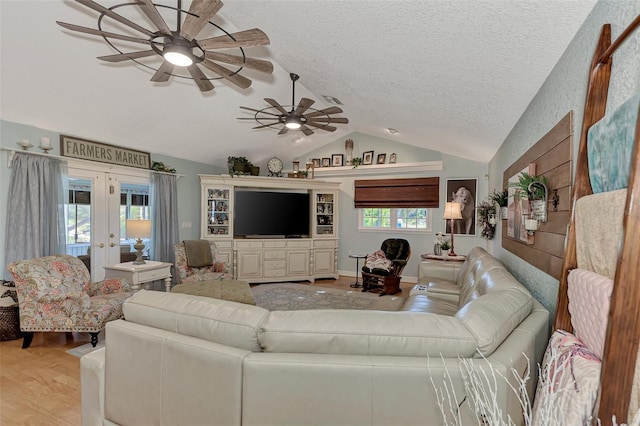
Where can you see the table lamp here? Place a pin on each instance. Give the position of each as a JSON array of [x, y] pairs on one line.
[[452, 211], [139, 229]]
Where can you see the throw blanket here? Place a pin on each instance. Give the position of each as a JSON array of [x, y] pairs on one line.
[[378, 260], [198, 253]]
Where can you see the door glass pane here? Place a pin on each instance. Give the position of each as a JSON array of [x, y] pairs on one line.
[[134, 204], [78, 217]]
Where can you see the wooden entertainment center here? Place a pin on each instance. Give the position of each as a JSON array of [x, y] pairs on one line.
[[272, 258]]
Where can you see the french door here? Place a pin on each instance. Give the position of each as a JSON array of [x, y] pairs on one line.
[[101, 199]]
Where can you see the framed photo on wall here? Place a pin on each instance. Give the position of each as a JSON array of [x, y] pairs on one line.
[[316, 162], [381, 158], [326, 162], [367, 158], [392, 158], [463, 191], [336, 160]]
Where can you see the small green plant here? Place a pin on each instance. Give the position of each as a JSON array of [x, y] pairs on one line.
[[356, 161], [522, 186], [239, 165], [501, 198]]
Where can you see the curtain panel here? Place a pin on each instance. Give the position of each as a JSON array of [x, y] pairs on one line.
[[164, 217], [35, 208], [397, 193]]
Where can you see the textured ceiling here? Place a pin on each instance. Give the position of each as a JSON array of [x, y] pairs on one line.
[[452, 76]]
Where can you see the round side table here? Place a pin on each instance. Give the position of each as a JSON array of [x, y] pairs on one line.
[[357, 257]]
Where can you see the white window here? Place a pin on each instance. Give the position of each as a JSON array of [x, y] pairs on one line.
[[385, 219]]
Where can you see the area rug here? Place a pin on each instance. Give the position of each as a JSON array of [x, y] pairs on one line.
[[293, 297], [85, 349]]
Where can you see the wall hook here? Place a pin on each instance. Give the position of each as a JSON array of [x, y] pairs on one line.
[[555, 200]]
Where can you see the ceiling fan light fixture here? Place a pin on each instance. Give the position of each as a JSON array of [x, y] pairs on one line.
[[292, 123], [178, 55]]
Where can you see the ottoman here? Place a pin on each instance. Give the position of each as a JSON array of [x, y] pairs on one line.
[[233, 290]]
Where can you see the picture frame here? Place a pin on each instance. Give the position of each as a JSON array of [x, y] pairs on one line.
[[337, 160], [392, 158], [316, 162], [326, 162], [84, 149], [381, 158], [367, 158], [464, 191]]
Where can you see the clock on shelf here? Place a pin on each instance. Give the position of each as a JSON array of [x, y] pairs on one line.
[[274, 165]]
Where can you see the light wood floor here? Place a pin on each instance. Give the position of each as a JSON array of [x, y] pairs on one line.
[[41, 385]]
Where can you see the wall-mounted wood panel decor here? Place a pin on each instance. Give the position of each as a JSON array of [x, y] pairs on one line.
[[551, 157]]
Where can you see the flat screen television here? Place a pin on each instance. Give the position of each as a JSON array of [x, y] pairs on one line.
[[271, 214]]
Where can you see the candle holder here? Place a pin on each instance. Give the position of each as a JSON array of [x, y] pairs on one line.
[[25, 144], [45, 144]]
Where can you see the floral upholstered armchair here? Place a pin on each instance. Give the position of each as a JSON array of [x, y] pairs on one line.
[[218, 270], [55, 293]]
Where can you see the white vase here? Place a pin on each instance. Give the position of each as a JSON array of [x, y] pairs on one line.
[[504, 211]]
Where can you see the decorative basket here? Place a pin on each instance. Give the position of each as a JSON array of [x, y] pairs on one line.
[[9, 315]]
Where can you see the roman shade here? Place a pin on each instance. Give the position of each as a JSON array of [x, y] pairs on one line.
[[397, 193]]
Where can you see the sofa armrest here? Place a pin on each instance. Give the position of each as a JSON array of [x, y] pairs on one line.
[[92, 373], [109, 286]]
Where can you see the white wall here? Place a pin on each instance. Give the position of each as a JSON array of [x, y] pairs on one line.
[[565, 90]]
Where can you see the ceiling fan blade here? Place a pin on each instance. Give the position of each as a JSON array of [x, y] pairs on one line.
[[284, 130], [126, 56], [110, 13], [307, 131], [260, 111], [261, 118], [326, 111], [303, 105], [322, 126], [254, 64], [263, 126], [91, 31], [148, 8], [203, 10], [253, 37], [227, 74], [163, 73], [327, 120], [276, 105], [198, 76]]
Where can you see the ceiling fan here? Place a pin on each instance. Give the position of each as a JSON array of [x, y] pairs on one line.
[[295, 119], [178, 48]]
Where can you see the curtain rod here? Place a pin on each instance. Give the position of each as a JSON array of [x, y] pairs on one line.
[[13, 151]]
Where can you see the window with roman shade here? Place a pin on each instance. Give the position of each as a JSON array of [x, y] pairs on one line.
[[397, 193]]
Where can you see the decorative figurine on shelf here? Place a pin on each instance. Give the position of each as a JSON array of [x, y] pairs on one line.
[[348, 149]]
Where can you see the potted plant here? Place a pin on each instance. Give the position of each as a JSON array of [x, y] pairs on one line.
[[356, 161], [241, 166], [501, 198], [527, 189], [487, 219]]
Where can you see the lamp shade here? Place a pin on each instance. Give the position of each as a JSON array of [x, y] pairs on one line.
[[138, 228], [452, 211]]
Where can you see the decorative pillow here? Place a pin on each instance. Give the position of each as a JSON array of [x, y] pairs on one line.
[[568, 383]]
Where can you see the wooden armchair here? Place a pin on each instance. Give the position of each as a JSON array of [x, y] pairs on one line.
[[382, 269], [55, 293]]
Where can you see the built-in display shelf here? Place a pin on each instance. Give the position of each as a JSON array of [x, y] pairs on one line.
[[272, 259], [375, 169]]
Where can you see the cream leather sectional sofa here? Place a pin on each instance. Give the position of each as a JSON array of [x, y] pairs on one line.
[[187, 360]]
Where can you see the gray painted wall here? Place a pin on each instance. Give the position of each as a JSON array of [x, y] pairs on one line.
[[565, 90], [188, 184]]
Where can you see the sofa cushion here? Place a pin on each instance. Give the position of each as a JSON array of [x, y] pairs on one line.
[[428, 303], [229, 323], [366, 333]]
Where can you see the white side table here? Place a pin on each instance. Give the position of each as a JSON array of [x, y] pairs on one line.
[[140, 274]]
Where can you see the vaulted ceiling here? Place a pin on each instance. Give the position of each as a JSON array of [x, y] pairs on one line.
[[449, 75]]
